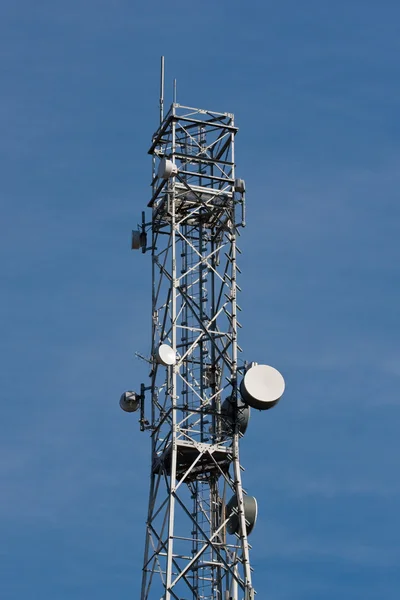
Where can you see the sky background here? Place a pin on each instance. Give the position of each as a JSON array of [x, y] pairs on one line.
[[315, 89]]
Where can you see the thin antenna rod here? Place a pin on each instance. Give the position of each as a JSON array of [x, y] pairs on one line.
[[174, 94], [162, 90]]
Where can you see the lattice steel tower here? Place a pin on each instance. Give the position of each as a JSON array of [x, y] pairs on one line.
[[196, 406]]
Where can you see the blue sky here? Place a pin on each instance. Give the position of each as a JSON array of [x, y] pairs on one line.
[[314, 86]]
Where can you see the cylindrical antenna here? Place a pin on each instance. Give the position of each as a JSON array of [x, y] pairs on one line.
[[162, 90], [174, 94]]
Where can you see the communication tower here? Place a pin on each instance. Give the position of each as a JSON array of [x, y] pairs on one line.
[[196, 406]]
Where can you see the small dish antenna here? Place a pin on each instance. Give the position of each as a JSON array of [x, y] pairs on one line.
[[165, 355], [129, 401], [166, 169], [228, 412], [250, 514], [262, 386]]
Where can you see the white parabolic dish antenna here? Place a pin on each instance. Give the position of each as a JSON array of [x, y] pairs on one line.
[[262, 387], [166, 355], [166, 168]]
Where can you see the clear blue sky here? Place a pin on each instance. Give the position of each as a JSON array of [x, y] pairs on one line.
[[315, 89]]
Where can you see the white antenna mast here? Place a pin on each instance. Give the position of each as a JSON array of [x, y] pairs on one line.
[[162, 90]]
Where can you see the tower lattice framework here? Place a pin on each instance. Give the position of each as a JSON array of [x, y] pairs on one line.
[[197, 210]]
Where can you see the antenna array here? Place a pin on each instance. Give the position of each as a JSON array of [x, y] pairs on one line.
[[200, 392]]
